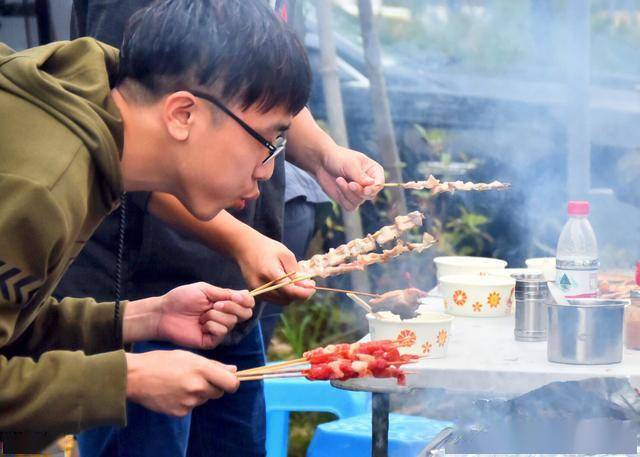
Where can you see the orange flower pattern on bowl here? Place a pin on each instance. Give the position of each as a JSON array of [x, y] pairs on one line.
[[406, 338], [460, 297], [477, 307], [426, 347], [493, 299], [442, 337]]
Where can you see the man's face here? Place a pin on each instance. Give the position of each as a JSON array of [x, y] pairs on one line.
[[221, 163]]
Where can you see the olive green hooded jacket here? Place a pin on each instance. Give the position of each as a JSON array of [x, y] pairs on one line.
[[61, 368]]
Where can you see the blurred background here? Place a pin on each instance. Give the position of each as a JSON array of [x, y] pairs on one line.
[[543, 94]]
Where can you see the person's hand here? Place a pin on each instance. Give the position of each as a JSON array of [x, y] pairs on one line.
[[175, 382], [200, 315], [349, 177], [263, 260]]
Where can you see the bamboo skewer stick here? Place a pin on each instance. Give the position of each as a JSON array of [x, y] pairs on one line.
[[271, 283], [505, 185], [363, 304], [267, 369], [261, 377], [295, 373], [282, 371], [275, 366], [253, 293], [355, 292], [299, 369]]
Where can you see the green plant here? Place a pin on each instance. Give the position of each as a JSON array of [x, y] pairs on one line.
[[319, 321], [303, 425], [463, 234]]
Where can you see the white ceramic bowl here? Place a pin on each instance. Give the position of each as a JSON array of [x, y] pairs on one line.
[[477, 295], [460, 265], [426, 335], [546, 264]]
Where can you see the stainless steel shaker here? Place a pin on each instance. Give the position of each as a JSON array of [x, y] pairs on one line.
[[532, 298]]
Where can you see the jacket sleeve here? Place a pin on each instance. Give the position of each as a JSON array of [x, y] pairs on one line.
[[56, 391], [70, 324], [62, 392]]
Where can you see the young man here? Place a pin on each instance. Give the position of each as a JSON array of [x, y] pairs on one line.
[[77, 127], [157, 257]]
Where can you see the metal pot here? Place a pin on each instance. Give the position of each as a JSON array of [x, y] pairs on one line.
[[587, 332]]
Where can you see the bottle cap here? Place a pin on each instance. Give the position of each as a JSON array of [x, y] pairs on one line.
[[578, 208]]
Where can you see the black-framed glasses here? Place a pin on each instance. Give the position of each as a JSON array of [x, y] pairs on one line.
[[274, 148]]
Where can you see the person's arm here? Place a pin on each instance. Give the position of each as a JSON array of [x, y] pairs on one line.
[[62, 391], [69, 324], [347, 176], [59, 390], [260, 258]]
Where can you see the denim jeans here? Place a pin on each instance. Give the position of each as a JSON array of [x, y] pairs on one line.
[[233, 425]]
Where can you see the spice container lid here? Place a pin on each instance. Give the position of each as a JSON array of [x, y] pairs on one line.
[[530, 286]]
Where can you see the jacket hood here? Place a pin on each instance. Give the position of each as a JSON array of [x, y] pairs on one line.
[[70, 80]]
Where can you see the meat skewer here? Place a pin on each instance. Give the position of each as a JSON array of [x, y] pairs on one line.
[[335, 262], [359, 246], [340, 362], [371, 258], [402, 302], [436, 187], [359, 264]]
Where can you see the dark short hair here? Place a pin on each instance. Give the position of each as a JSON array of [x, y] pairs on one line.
[[238, 49]]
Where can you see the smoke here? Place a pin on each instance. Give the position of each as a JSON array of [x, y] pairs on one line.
[[539, 94], [591, 416]]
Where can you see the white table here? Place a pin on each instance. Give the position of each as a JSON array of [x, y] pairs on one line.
[[483, 356]]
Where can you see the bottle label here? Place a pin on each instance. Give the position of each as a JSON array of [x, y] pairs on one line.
[[578, 283]]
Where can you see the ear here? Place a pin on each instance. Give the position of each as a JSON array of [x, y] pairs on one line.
[[178, 114]]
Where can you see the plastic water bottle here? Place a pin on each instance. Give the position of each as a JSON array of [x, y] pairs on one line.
[[577, 254]]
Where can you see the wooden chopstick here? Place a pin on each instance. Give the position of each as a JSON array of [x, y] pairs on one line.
[[277, 280], [355, 292], [278, 286]]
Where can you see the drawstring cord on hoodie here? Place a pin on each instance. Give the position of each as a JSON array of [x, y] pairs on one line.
[[117, 328]]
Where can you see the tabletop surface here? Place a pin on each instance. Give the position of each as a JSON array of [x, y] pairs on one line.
[[483, 356]]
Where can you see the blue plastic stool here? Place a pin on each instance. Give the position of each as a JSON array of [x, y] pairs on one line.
[[408, 435], [285, 395]]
